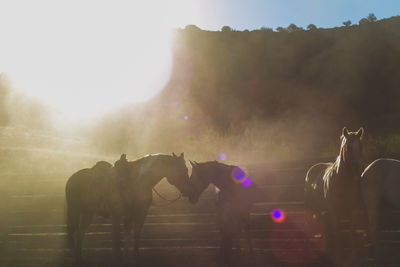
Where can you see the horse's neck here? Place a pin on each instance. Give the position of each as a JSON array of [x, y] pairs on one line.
[[231, 191], [220, 177], [342, 169], [160, 168]]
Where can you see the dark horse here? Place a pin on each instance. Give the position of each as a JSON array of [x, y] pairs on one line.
[[124, 191], [332, 190], [235, 199], [86, 191], [380, 184]]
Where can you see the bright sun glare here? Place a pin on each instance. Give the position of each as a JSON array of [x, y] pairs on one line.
[[86, 58]]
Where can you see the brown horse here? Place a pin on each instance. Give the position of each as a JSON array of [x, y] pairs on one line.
[[124, 191], [332, 190], [136, 180], [380, 183], [89, 192], [235, 199]]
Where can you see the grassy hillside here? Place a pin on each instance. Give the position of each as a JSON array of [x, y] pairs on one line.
[[264, 95]]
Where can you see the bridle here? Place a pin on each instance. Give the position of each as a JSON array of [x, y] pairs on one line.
[[170, 201]]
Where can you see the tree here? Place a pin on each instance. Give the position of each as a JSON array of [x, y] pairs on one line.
[[266, 29], [226, 29], [192, 28], [292, 28], [347, 23], [371, 17], [281, 29], [311, 27], [4, 93], [363, 21]]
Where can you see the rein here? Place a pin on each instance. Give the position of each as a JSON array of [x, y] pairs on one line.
[[170, 201]]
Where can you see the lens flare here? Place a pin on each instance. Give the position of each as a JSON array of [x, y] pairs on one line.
[[238, 175], [278, 216], [186, 117], [247, 182], [222, 156]]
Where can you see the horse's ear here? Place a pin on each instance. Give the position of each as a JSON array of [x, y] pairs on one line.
[[360, 133], [192, 163], [345, 132], [173, 154], [182, 155]]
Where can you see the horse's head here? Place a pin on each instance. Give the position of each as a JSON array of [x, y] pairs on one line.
[[351, 150], [199, 181], [121, 168], [179, 174]]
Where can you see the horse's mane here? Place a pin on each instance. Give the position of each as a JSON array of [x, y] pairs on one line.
[[214, 162], [148, 156], [339, 159]]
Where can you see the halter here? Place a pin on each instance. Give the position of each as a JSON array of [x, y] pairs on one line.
[[170, 201]]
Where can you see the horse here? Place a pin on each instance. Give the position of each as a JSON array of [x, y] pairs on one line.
[[137, 179], [380, 186], [88, 191], [235, 198], [333, 189], [124, 191]]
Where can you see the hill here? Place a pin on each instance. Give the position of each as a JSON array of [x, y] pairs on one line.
[[263, 94]]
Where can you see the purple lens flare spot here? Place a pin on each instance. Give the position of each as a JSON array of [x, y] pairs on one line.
[[239, 174], [247, 182], [278, 216]]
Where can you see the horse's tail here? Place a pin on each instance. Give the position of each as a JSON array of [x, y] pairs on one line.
[[313, 188], [308, 189], [314, 200], [71, 216]]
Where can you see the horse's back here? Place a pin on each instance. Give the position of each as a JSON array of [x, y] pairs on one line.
[[317, 171], [315, 174], [77, 186], [382, 179], [83, 183], [314, 187]]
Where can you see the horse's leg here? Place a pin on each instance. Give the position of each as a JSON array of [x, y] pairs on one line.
[[73, 217], [248, 234], [139, 219], [116, 237], [374, 221], [357, 247], [353, 237], [226, 248], [128, 222], [332, 237], [84, 222], [226, 230], [75, 238]]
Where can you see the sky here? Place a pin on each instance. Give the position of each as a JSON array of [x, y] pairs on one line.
[[254, 14], [112, 53]]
